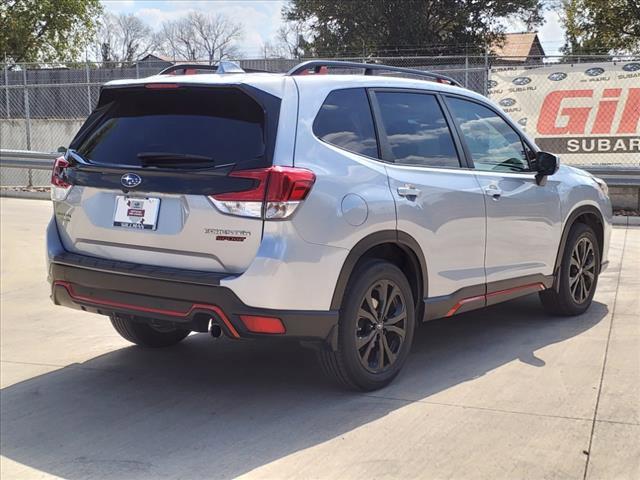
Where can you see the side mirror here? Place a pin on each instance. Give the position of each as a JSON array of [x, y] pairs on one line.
[[62, 150], [546, 164]]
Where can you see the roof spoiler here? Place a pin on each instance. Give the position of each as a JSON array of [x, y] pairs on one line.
[[322, 66]]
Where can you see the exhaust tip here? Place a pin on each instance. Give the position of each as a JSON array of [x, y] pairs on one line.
[[215, 331]]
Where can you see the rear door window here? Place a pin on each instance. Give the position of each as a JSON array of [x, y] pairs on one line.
[[416, 129], [345, 121], [224, 125]]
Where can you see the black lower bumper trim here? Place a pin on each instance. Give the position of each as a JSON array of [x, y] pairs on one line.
[[105, 290]]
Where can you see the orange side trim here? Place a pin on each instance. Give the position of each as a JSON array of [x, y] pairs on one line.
[[462, 302]]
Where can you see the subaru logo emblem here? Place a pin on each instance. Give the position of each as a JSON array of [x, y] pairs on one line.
[[557, 76], [521, 80], [631, 67], [507, 102], [594, 72], [130, 180]]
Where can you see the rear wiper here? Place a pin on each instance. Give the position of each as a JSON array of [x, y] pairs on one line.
[[169, 158]]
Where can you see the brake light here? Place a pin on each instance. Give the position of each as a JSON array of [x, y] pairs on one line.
[[59, 185], [161, 86], [277, 194]]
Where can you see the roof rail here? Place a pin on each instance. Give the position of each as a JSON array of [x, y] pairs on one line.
[[221, 67], [317, 65]]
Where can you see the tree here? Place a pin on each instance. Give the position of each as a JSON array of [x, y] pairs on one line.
[[122, 38], [46, 30], [290, 39], [199, 36], [433, 26], [594, 26]]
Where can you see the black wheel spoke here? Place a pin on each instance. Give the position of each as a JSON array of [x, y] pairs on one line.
[[362, 341], [398, 331], [380, 352], [390, 355], [368, 316], [390, 299], [399, 317], [367, 352]]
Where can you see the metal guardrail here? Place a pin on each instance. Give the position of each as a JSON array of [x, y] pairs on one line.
[[617, 177], [30, 160], [27, 159]]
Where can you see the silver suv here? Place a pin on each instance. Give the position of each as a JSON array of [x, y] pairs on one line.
[[337, 210]]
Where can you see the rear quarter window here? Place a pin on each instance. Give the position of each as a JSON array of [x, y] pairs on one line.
[[345, 120]]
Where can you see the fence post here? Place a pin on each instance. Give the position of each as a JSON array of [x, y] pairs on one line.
[[6, 87], [89, 102], [27, 111], [137, 70], [466, 70], [485, 87]]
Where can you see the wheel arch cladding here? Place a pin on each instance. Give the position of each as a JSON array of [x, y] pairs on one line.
[[588, 215], [398, 248]]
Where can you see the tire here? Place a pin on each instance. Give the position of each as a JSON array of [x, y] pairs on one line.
[[579, 272], [145, 335], [360, 368]]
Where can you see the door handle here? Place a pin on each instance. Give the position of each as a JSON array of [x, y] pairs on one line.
[[494, 191], [408, 191]]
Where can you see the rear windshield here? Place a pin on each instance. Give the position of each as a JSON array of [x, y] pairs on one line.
[[205, 126]]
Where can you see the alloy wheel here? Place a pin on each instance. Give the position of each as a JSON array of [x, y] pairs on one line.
[[381, 327], [582, 270]]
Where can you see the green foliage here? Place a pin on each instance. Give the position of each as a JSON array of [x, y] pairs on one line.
[[434, 26], [46, 30], [597, 26]]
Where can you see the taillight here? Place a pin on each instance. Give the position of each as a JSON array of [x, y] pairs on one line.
[[277, 194], [59, 185]]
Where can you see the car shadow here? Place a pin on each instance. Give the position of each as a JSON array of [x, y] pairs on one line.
[[205, 409]]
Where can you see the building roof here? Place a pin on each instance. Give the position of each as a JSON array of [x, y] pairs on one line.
[[519, 46], [152, 57]]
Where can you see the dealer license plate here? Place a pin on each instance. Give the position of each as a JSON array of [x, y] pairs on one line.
[[136, 212]]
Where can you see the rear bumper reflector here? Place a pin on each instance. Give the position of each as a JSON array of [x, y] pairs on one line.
[[260, 324]]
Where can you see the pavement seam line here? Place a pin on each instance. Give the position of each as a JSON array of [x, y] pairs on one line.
[[487, 409], [606, 353]]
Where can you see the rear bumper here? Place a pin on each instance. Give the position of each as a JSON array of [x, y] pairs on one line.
[[190, 299]]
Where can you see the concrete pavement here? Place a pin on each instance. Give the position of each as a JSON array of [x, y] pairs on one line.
[[502, 393]]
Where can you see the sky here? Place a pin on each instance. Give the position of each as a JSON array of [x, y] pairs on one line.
[[262, 18]]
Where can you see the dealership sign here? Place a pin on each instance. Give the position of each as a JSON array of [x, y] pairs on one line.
[[576, 110]]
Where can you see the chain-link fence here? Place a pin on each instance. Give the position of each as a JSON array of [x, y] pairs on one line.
[[41, 108]]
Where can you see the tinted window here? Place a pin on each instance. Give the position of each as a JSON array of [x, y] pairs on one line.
[[494, 145], [416, 129], [223, 124], [345, 121]]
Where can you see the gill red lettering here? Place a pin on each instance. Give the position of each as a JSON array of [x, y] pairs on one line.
[[606, 111], [631, 113], [550, 111]]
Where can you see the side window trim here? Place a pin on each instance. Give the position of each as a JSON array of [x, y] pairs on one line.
[[463, 154], [500, 114], [385, 149]]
